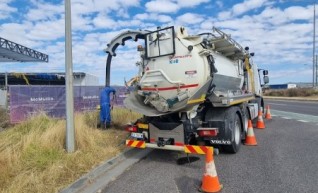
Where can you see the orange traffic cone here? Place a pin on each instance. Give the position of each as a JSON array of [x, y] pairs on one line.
[[268, 113], [250, 137], [210, 181], [260, 122]]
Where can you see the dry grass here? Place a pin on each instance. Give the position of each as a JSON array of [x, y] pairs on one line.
[[32, 155], [4, 119], [293, 92]]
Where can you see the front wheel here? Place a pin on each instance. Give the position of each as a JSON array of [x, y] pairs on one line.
[[235, 131]]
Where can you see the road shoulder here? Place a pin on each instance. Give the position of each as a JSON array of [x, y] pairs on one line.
[[98, 178]]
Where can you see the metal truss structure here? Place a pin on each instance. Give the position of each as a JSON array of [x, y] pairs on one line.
[[13, 52]]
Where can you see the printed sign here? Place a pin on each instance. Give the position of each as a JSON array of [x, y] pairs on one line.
[[26, 101]]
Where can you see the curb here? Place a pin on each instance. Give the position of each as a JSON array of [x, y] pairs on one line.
[[100, 177], [290, 98]]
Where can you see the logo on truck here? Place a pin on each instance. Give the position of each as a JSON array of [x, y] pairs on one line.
[[175, 59], [221, 142]]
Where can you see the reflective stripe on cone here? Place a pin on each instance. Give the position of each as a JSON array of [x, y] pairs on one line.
[[210, 180]]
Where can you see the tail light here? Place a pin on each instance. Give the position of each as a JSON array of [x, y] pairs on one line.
[[208, 132], [131, 128]]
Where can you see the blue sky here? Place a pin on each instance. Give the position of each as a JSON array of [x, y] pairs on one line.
[[278, 31]]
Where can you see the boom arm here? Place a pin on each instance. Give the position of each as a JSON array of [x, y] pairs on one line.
[[120, 40]]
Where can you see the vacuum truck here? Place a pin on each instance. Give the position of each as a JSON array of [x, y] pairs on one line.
[[192, 90]]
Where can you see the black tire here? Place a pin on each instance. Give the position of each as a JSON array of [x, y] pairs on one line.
[[235, 128]]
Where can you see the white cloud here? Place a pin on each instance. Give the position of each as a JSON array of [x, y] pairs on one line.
[[190, 18], [219, 4], [45, 11], [164, 18], [190, 3], [299, 13], [171, 6], [99, 6], [241, 8], [142, 16], [247, 5], [47, 30], [103, 21], [278, 16], [81, 23], [13, 31], [6, 9], [281, 38], [153, 17], [224, 15], [295, 75], [162, 6], [207, 25]]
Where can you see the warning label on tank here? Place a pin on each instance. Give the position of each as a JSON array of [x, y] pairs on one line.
[[191, 73]]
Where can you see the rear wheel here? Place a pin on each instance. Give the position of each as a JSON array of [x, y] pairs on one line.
[[235, 127]]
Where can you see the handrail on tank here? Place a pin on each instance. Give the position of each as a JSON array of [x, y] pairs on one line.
[[164, 75], [230, 40]]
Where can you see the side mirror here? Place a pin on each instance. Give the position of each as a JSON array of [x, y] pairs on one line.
[[265, 72], [266, 79]]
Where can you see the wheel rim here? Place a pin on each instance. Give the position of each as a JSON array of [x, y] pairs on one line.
[[237, 134], [245, 123]]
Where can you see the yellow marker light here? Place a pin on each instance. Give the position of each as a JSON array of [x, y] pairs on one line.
[[142, 126]]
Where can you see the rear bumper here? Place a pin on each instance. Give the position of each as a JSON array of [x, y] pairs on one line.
[[193, 149]]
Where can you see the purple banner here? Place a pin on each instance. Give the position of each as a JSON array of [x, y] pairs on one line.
[[26, 101], [121, 93]]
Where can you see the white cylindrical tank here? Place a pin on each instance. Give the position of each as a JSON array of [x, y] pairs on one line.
[[172, 82]]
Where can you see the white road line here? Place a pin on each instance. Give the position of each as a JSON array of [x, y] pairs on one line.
[[296, 116], [277, 104]]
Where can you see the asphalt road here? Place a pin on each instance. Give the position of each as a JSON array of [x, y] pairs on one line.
[[285, 160], [303, 107]]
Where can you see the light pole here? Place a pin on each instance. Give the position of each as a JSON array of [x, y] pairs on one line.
[[316, 84], [70, 131], [313, 49], [315, 71]]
